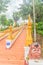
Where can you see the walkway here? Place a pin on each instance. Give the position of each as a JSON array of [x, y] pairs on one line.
[[14, 55]]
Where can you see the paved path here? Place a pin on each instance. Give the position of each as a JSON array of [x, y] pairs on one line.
[[14, 55]]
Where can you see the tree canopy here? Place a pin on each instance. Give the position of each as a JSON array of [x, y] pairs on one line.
[[3, 5], [16, 16]]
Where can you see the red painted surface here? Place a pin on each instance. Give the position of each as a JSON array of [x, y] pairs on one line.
[[14, 55]]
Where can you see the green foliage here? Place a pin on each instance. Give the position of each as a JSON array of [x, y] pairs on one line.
[[10, 22], [3, 5], [39, 28], [16, 16], [39, 12], [16, 24], [40, 32], [27, 8], [4, 21], [24, 11]]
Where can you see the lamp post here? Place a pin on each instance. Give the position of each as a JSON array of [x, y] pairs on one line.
[[34, 21]]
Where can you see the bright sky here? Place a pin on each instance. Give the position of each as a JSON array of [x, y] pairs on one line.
[[13, 5]]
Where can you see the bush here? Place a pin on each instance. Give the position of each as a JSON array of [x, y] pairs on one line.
[[39, 28]]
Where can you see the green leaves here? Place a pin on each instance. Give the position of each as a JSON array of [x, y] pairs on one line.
[[3, 5], [10, 22], [16, 16], [39, 28], [4, 21], [27, 8]]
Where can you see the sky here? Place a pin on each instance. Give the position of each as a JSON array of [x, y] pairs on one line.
[[12, 6]]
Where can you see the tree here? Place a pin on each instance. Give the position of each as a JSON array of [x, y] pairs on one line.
[[24, 9], [10, 22], [16, 16], [3, 19], [39, 12], [3, 5], [27, 8], [40, 28]]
